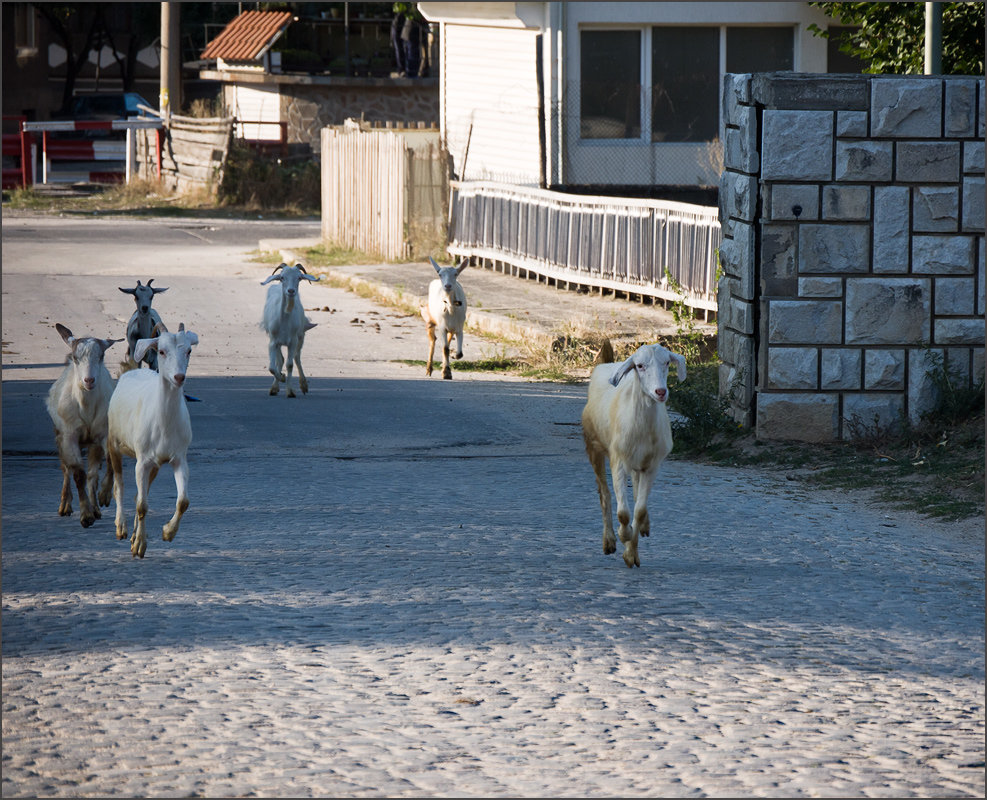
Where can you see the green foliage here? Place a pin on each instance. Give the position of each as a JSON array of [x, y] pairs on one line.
[[706, 425], [261, 182], [957, 400], [891, 36]]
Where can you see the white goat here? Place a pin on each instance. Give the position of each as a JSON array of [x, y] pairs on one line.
[[77, 404], [286, 323], [149, 421], [445, 314], [625, 420], [143, 320]]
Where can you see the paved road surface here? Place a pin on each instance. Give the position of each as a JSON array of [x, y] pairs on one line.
[[395, 586]]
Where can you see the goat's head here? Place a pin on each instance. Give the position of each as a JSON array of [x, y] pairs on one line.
[[143, 295], [448, 275], [290, 277], [650, 364], [86, 355], [173, 350]]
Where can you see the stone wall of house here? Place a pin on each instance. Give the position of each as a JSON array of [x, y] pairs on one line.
[[310, 108], [852, 209]]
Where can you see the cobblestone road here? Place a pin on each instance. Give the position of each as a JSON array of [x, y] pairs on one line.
[[396, 587]]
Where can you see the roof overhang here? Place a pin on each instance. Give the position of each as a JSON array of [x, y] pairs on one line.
[[497, 15]]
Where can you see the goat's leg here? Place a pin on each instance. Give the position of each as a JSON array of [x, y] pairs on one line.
[[115, 465], [72, 460], [626, 533], [430, 329], [275, 367], [597, 459], [289, 364], [92, 477], [642, 481], [65, 502], [106, 488], [302, 380], [446, 342], [459, 344], [144, 471], [180, 466]]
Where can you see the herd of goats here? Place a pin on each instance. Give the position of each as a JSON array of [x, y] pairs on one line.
[[145, 416]]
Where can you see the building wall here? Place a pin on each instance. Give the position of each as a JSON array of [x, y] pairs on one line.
[[490, 103], [853, 219], [313, 103]]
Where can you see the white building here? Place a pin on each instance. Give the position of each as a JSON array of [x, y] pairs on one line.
[[566, 94]]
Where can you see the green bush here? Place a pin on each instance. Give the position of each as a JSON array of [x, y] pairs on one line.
[[260, 182]]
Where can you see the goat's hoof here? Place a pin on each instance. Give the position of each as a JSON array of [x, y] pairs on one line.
[[137, 549], [291, 393], [96, 512], [447, 374], [87, 521], [274, 390], [609, 547], [121, 533], [458, 355], [631, 560], [65, 511]]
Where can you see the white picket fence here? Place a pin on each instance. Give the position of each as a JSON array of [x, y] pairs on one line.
[[620, 244], [384, 190]]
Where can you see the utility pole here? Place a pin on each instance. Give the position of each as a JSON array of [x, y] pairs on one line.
[[933, 38], [170, 97]]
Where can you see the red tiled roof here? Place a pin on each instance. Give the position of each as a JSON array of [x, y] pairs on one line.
[[246, 37]]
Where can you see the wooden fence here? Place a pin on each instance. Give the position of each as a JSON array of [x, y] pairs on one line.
[[621, 244], [385, 191], [189, 153]]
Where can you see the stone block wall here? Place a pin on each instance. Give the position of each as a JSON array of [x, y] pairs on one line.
[[310, 108], [852, 209]]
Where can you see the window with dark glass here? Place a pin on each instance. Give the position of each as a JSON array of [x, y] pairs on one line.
[[760, 49], [610, 90], [685, 73]]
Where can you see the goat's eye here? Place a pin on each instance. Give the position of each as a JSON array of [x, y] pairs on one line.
[[162, 352], [639, 366]]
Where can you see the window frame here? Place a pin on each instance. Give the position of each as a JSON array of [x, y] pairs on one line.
[[647, 78]]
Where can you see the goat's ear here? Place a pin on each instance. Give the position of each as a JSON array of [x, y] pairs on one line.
[[308, 277], [156, 289], [434, 265], [106, 344], [622, 370], [271, 278], [679, 365], [193, 338], [127, 291], [65, 333], [141, 348]]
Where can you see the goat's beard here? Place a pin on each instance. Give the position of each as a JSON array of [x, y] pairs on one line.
[[289, 304]]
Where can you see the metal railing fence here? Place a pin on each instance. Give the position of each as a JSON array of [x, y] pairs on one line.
[[622, 244]]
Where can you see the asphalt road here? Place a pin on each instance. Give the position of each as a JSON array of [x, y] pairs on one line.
[[395, 586]]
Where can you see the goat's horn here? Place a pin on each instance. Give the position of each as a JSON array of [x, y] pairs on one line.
[[279, 266], [181, 326], [149, 281], [299, 266], [159, 329]]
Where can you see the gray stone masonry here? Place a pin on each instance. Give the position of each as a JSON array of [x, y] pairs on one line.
[[853, 254]]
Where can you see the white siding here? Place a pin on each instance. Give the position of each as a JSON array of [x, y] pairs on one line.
[[489, 83], [255, 104]]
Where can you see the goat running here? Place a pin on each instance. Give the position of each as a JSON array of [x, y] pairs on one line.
[[626, 420], [286, 324], [77, 403], [445, 314]]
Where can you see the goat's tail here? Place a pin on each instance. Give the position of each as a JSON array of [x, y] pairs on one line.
[[606, 355]]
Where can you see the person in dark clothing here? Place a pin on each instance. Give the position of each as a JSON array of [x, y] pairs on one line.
[[397, 26], [411, 36]]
